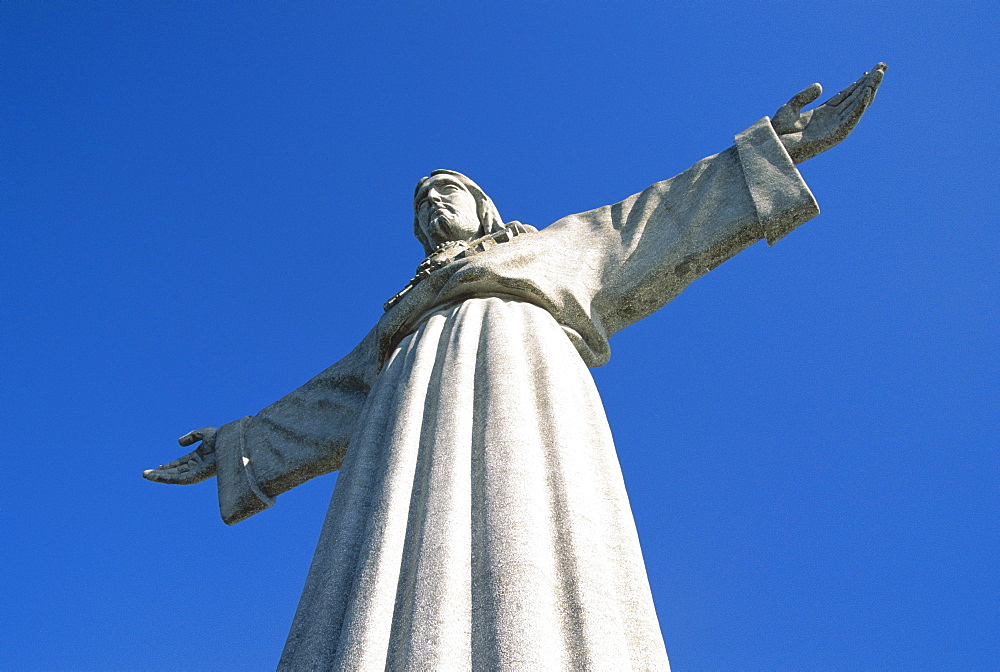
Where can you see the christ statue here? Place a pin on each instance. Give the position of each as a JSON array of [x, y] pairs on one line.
[[480, 520]]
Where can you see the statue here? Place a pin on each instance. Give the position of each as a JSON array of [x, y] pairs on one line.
[[480, 519]]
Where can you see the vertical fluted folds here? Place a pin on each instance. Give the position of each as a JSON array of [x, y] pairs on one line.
[[480, 519]]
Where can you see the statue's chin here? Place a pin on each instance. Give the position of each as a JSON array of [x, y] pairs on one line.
[[445, 230]]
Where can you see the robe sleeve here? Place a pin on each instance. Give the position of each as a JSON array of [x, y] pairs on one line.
[[629, 259], [300, 436]]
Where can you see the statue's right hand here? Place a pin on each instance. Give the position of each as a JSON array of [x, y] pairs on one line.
[[194, 467]]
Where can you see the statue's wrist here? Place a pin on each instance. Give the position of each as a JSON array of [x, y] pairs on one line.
[[794, 147]]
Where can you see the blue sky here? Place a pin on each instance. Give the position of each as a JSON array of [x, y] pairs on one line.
[[205, 204]]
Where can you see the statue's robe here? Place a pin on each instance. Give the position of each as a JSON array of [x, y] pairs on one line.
[[480, 519]]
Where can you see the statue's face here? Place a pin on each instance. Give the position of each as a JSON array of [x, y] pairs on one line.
[[446, 210]]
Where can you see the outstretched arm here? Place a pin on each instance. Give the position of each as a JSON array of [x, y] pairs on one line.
[[298, 437], [629, 259], [806, 134]]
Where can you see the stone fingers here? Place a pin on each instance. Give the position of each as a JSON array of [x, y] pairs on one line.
[[850, 116], [857, 102], [186, 473], [194, 467], [789, 117], [805, 96], [846, 93], [203, 434], [868, 82]]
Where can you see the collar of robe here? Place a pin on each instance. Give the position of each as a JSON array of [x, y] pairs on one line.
[[453, 250]]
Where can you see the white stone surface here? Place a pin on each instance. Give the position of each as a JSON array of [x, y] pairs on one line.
[[481, 511], [480, 519]]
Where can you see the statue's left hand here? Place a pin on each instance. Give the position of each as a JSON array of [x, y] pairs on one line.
[[806, 134], [194, 467]]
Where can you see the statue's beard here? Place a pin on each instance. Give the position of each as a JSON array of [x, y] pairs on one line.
[[447, 225]]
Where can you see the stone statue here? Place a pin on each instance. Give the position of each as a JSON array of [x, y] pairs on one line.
[[480, 519]]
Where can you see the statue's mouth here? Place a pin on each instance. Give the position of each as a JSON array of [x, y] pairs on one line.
[[440, 210], [442, 216]]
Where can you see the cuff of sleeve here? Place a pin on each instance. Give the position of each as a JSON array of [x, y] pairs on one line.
[[239, 494], [779, 193]]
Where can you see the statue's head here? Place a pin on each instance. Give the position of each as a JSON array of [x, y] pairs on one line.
[[449, 206]]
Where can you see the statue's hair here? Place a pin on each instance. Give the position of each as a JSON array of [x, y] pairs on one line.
[[489, 216]]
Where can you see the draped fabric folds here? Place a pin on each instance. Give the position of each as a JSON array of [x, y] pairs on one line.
[[480, 520]]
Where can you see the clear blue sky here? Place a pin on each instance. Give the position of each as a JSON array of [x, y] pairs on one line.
[[205, 204]]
